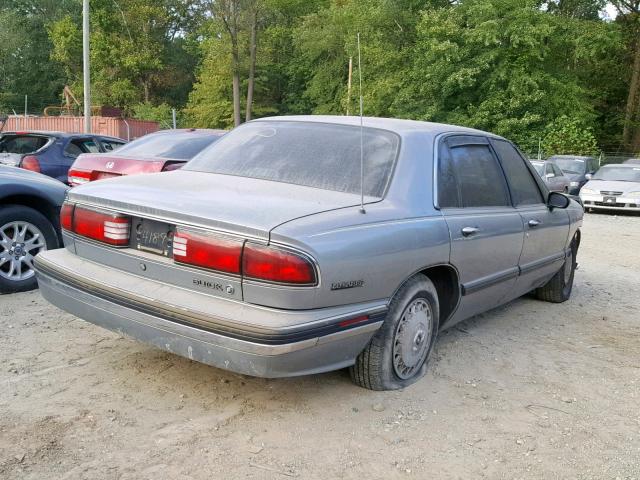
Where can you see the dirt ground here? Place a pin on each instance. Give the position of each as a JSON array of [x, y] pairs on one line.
[[530, 390]]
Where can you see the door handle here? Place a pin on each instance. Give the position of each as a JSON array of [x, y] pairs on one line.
[[469, 231], [534, 223]]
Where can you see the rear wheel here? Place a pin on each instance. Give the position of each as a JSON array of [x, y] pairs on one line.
[[397, 355], [24, 232], [558, 289]]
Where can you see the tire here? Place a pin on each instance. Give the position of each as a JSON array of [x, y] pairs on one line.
[[558, 289], [39, 235], [413, 315]]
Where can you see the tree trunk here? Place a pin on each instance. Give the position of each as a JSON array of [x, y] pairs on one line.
[[252, 62], [632, 98]]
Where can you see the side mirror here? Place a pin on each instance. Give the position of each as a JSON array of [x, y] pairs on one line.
[[557, 200], [589, 176], [549, 175]]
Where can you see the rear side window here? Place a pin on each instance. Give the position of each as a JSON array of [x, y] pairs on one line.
[[556, 170], [524, 187], [22, 144], [477, 176], [110, 145], [173, 145], [81, 145], [319, 155]]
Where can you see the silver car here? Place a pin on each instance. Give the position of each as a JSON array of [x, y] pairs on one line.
[[552, 175], [260, 256], [613, 187]]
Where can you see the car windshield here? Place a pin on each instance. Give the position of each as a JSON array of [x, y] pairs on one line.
[[178, 145], [621, 174], [539, 167], [319, 155], [22, 143], [571, 165]]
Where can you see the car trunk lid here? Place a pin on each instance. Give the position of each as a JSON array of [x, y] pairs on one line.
[[239, 205], [91, 166]]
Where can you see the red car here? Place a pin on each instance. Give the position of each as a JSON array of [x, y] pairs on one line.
[[156, 152]]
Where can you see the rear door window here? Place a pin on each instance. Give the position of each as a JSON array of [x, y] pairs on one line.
[[478, 177], [524, 188]]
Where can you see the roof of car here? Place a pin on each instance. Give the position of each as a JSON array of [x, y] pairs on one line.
[[394, 124], [570, 156], [190, 130], [51, 133], [623, 165]]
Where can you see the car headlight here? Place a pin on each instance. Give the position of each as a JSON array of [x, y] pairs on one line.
[[633, 194], [588, 191], [574, 184]]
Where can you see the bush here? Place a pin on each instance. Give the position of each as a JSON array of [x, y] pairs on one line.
[[569, 136]]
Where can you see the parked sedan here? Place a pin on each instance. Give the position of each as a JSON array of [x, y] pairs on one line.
[[29, 224], [613, 187], [577, 168], [551, 174], [161, 151], [271, 254], [51, 153]]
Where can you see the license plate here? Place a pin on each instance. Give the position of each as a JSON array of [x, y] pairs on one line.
[[609, 199], [152, 236]]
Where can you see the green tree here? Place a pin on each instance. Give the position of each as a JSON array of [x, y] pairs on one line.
[[499, 65], [569, 136]]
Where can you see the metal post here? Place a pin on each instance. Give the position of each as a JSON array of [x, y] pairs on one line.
[[85, 66], [173, 117], [25, 106], [349, 85]]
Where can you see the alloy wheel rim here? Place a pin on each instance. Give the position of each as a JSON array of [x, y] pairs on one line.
[[20, 242], [412, 338]]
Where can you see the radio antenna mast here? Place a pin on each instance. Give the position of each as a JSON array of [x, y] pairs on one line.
[[362, 210]]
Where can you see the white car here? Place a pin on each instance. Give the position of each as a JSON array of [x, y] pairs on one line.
[[613, 187]]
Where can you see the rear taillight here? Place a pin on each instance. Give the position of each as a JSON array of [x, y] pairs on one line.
[[66, 216], [78, 177], [276, 265], [207, 251], [111, 228], [30, 162]]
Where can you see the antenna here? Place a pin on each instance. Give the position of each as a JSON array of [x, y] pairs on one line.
[[362, 210]]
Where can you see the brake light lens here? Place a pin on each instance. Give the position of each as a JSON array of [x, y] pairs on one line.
[[78, 177], [275, 265], [111, 228], [30, 162], [207, 251], [66, 215]]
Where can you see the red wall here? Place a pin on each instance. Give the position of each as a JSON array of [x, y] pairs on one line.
[[115, 127]]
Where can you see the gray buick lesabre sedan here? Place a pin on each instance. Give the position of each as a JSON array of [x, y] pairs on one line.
[[257, 256]]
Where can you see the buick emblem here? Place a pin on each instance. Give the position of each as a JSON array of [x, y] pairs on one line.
[[109, 165]]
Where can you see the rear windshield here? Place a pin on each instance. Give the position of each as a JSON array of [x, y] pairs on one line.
[[178, 146], [622, 174], [319, 155], [571, 165], [22, 143]]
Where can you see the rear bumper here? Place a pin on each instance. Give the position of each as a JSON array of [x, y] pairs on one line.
[[311, 342]]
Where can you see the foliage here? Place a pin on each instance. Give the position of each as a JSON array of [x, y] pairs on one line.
[[520, 68], [569, 136]]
